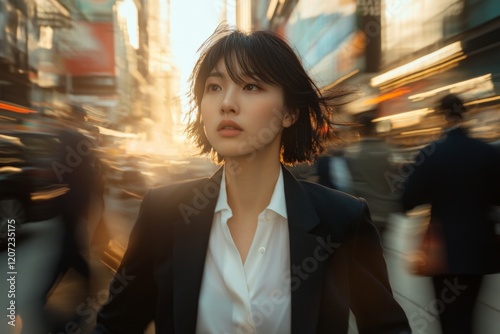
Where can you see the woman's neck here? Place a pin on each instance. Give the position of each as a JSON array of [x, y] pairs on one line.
[[250, 183]]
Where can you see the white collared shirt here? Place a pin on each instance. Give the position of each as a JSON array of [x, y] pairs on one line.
[[253, 297]]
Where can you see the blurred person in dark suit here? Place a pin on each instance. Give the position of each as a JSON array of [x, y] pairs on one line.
[[459, 177], [79, 176], [370, 168], [76, 169]]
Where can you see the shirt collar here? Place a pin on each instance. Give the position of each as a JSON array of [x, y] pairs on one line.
[[222, 199], [277, 203]]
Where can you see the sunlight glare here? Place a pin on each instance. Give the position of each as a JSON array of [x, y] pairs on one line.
[[191, 24]]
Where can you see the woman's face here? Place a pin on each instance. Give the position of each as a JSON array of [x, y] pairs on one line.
[[242, 120]]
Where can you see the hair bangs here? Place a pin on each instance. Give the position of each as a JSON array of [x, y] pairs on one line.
[[243, 61]]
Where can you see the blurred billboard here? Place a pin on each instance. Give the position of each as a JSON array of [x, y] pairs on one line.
[[88, 49]]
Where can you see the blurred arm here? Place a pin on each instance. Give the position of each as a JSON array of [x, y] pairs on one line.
[[373, 303], [131, 304]]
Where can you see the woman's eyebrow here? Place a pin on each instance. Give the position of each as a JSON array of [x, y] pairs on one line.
[[243, 76], [216, 74]]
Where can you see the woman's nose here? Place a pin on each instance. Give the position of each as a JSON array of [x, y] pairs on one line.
[[230, 102]]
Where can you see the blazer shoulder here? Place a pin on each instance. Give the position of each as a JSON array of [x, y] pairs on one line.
[[335, 206], [170, 196]]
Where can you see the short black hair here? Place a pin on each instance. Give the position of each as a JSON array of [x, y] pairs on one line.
[[265, 55]]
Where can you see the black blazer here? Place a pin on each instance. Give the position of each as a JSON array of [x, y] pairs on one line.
[[459, 177], [334, 249]]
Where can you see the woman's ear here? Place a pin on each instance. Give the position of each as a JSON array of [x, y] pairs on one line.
[[289, 119]]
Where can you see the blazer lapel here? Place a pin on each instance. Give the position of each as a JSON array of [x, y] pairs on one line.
[[190, 245], [307, 256]]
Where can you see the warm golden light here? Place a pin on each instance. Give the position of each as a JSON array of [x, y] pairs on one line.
[[127, 12], [488, 99], [418, 132], [419, 64], [405, 119], [462, 85], [192, 22], [407, 114], [189, 29]]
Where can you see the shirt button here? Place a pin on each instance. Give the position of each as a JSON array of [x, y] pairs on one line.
[[262, 250]]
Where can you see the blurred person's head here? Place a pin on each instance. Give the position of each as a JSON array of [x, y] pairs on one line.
[[263, 58], [452, 108], [366, 126], [78, 113]]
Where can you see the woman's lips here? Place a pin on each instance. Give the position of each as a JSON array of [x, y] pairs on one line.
[[227, 128]]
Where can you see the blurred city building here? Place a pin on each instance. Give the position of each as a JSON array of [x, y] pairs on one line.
[[114, 57], [400, 55]]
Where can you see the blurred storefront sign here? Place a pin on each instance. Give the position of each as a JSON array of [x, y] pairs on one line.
[[88, 49], [88, 55]]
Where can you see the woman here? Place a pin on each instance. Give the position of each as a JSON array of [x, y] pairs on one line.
[[251, 249]]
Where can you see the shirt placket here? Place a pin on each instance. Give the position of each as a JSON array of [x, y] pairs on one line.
[[236, 282]]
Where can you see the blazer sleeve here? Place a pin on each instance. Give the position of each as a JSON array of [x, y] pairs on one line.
[[372, 301], [131, 304]]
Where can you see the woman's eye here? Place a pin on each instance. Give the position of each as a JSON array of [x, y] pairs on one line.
[[251, 87], [212, 88]]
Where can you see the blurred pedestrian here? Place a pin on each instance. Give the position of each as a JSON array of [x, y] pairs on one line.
[[459, 177], [323, 171], [251, 249], [79, 177], [75, 169], [333, 171], [370, 168]]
